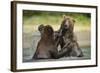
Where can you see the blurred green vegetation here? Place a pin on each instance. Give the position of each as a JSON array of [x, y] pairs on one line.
[[53, 18], [35, 18]]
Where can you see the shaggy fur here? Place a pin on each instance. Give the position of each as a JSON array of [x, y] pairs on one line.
[[46, 48], [67, 30]]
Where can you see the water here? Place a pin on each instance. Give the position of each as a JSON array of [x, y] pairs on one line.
[[30, 45], [28, 54]]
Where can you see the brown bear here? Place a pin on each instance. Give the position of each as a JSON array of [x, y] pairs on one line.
[[46, 48], [67, 30]]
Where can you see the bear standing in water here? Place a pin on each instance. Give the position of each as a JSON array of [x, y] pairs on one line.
[[46, 48], [67, 30]]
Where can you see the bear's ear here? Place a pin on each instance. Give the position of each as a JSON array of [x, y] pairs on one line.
[[74, 21], [64, 16]]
